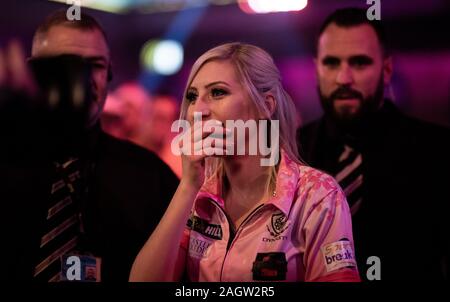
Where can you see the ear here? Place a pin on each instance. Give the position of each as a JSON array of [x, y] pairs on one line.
[[387, 69], [271, 103]]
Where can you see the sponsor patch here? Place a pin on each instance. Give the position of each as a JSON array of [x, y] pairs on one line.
[[213, 231], [198, 248], [338, 254], [270, 266]]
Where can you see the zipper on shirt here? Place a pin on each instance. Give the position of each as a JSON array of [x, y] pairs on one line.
[[231, 239], [232, 231]]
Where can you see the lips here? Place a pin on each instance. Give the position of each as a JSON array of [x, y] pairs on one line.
[[348, 102], [347, 98], [346, 93]]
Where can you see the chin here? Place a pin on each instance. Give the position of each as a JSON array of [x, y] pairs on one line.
[[347, 112], [345, 116]]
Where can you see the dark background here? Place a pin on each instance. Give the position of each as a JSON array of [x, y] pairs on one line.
[[417, 33]]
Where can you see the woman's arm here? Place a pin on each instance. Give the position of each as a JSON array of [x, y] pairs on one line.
[[162, 258], [329, 250]]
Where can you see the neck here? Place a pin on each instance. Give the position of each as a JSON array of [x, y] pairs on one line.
[[246, 179]]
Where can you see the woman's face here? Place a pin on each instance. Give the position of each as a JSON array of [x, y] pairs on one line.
[[217, 93]]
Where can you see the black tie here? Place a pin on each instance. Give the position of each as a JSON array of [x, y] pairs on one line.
[[350, 177], [62, 227]]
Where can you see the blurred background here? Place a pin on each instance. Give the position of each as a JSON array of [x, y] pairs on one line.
[[417, 33]]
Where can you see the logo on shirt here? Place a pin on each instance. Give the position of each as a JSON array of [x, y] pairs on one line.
[[213, 231], [338, 254], [198, 248], [278, 224]]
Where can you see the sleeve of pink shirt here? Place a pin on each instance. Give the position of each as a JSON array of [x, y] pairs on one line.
[[328, 241]]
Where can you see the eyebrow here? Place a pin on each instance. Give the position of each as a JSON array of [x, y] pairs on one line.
[[210, 84], [365, 58], [328, 58], [217, 82], [360, 57]]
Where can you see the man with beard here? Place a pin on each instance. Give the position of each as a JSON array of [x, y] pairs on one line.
[[386, 163]]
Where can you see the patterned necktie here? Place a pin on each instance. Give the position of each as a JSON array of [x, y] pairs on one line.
[[62, 227], [350, 178]]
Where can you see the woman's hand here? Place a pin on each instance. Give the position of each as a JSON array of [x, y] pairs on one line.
[[203, 142]]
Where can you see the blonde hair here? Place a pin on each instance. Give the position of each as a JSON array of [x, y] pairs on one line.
[[259, 76]]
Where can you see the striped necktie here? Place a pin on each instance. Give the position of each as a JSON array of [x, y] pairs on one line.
[[62, 226], [350, 178]]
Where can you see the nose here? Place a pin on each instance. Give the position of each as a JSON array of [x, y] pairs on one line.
[[202, 106], [344, 75]]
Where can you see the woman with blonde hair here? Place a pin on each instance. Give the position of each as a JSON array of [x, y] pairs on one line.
[[246, 221]]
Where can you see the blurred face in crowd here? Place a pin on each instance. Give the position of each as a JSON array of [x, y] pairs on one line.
[[351, 71], [126, 112], [89, 44], [113, 119], [164, 111]]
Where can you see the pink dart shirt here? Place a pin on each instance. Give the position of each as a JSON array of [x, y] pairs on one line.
[[303, 233]]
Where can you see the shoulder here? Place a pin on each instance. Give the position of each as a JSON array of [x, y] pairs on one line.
[[317, 187], [315, 179], [413, 125], [425, 138], [111, 146], [127, 154], [419, 124], [427, 129]]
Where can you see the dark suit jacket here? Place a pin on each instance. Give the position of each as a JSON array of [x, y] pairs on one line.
[[129, 190], [404, 217]]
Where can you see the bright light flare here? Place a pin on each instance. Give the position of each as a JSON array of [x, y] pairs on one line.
[[271, 6]]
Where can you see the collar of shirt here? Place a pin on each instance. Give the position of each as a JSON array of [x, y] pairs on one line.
[[288, 176]]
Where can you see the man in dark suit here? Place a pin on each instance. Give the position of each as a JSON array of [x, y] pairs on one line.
[[393, 168], [98, 198]]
